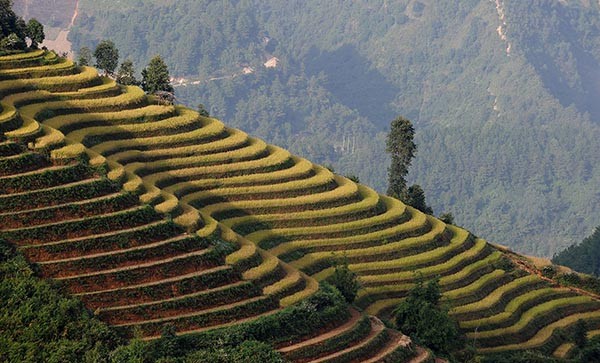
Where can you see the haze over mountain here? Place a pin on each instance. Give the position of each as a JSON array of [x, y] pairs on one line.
[[502, 93]]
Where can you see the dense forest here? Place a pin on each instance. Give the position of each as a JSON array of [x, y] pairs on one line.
[[583, 257], [502, 94]]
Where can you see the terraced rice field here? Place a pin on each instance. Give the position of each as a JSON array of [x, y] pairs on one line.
[[76, 199], [292, 219]]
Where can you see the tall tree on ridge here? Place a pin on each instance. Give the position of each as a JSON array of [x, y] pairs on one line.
[[402, 149]]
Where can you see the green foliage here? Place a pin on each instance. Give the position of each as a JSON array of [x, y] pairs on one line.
[[415, 197], [202, 110], [11, 42], [580, 334], [447, 218], [583, 257], [107, 56], [402, 149], [126, 74], [420, 317], [353, 177], [84, 58], [155, 77], [134, 352], [247, 352], [12, 28], [345, 280], [591, 353], [519, 357], [35, 32], [42, 325], [589, 283]]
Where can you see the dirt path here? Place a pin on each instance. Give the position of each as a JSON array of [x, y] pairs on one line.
[[534, 271]]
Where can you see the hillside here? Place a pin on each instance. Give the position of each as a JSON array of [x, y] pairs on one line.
[[138, 269], [232, 216], [502, 94]]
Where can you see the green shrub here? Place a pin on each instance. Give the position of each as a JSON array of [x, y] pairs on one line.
[[420, 317], [345, 280]]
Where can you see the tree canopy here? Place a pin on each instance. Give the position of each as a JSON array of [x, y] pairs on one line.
[[107, 56], [13, 28], [35, 32], [421, 317], [126, 74], [155, 77], [84, 58], [415, 197], [584, 256]]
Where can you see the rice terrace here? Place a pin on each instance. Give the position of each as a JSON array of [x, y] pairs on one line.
[[153, 215]]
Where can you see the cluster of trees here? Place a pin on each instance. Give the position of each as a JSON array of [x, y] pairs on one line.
[[155, 76], [424, 319], [583, 257], [15, 31]]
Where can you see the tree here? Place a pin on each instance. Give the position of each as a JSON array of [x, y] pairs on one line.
[[421, 317], [202, 110], [85, 56], [345, 280], [107, 56], [415, 197], [155, 77], [447, 218], [12, 41], [35, 32], [10, 23], [353, 177], [126, 74], [402, 149]]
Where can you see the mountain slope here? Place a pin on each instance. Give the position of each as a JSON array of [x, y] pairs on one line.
[[287, 215], [80, 218], [502, 94]]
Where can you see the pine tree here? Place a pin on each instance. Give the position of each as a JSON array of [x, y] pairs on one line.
[[402, 149], [155, 77]]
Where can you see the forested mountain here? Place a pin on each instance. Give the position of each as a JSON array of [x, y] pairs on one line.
[[502, 93]]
